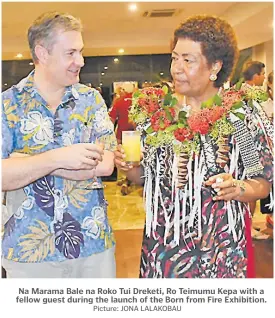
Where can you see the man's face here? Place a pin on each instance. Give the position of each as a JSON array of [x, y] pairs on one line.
[[258, 79], [65, 59]]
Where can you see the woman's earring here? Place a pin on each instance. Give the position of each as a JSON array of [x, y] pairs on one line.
[[213, 77]]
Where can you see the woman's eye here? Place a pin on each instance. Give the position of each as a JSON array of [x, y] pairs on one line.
[[187, 61]]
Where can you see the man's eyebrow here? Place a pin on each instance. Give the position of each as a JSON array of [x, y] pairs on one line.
[[74, 50]]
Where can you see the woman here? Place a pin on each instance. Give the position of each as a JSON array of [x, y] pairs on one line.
[[196, 217]]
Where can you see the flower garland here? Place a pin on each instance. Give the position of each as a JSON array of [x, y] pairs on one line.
[[154, 109]]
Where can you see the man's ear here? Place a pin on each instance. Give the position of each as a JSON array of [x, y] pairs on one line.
[[42, 53]]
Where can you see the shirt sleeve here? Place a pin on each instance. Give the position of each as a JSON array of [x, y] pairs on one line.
[[9, 118], [102, 124]]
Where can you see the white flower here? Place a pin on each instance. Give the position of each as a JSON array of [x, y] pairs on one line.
[[26, 205], [187, 109], [102, 121], [68, 138], [41, 128], [94, 224], [60, 204]]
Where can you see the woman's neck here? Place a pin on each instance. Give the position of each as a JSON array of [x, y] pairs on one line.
[[196, 101]]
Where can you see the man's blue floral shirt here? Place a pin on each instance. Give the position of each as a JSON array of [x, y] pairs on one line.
[[55, 219]]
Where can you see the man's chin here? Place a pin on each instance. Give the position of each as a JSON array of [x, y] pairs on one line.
[[73, 81]]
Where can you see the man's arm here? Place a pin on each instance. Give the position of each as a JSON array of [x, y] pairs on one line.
[[104, 168], [19, 172]]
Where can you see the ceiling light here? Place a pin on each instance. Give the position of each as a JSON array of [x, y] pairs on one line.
[[100, 84], [31, 63], [145, 82], [132, 7], [19, 55], [121, 51], [116, 60], [161, 73], [6, 84], [105, 67], [102, 73]]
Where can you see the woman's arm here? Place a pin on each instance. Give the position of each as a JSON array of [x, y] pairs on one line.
[[243, 191]]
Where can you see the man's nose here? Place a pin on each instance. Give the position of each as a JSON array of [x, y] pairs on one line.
[[80, 60]]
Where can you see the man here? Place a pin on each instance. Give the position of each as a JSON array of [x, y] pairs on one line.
[[254, 73], [58, 227], [119, 114]]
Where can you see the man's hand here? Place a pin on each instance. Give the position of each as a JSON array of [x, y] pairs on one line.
[[78, 157]]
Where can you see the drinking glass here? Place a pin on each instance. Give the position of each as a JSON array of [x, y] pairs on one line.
[[131, 146], [88, 135]]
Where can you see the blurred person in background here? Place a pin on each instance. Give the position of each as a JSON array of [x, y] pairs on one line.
[[254, 75], [267, 204], [119, 114]]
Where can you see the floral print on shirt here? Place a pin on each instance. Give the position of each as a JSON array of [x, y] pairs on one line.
[[58, 219]]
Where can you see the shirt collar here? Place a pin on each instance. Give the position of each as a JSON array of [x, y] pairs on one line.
[[27, 84]]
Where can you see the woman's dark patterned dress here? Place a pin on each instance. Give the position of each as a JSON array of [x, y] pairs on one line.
[[214, 252]]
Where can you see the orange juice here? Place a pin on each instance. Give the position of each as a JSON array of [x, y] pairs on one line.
[[131, 146]]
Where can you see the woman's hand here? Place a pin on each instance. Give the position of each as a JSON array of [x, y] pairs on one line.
[[226, 186], [119, 159]]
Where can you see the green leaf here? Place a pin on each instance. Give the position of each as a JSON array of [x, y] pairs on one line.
[[239, 84], [149, 130], [165, 89], [209, 102], [250, 103], [168, 114], [136, 94], [217, 100], [240, 115], [237, 105], [182, 115], [167, 99], [181, 125], [174, 102], [171, 128]]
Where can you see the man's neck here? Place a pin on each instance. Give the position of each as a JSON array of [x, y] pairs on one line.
[[251, 83], [48, 90]]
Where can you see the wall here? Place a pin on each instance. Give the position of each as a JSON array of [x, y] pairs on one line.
[[264, 53]]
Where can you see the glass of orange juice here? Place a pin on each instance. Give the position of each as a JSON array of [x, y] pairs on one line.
[[131, 146]]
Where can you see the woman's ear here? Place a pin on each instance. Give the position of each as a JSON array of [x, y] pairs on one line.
[[216, 67]]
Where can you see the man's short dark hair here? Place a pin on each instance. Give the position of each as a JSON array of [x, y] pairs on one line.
[[252, 68]]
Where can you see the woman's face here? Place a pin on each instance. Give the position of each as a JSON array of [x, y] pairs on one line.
[[189, 69]]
